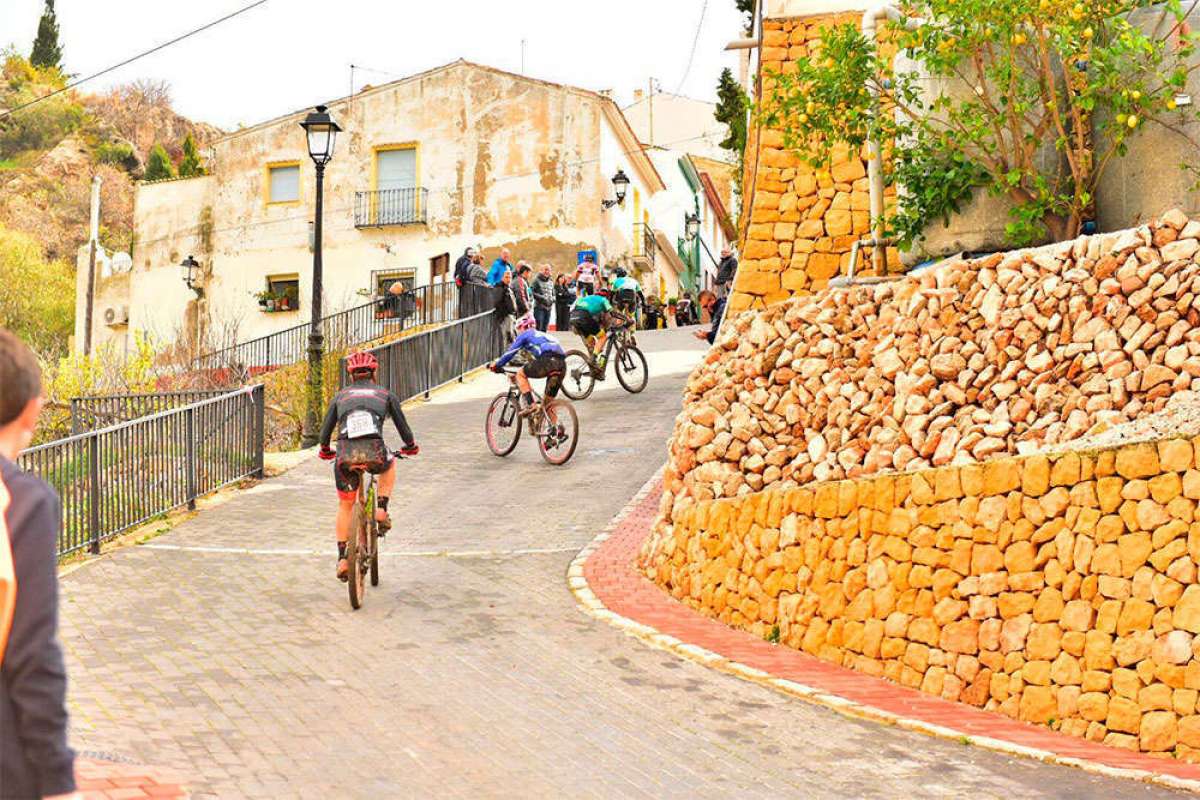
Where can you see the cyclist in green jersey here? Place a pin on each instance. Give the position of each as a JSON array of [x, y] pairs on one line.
[[591, 317]]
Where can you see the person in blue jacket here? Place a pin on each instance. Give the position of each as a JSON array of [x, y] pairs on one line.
[[543, 357], [499, 267]]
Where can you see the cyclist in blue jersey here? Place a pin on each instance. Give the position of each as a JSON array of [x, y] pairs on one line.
[[591, 317], [542, 357], [626, 292]]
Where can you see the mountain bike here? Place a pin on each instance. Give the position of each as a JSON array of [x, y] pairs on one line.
[[362, 548], [502, 428], [584, 369]]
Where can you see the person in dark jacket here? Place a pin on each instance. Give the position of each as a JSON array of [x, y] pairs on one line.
[[506, 308], [522, 290], [543, 298], [564, 298], [462, 269], [35, 761], [726, 271]]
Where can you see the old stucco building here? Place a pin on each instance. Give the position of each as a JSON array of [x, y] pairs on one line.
[[459, 155]]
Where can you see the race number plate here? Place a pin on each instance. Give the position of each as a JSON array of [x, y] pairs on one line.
[[359, 424]]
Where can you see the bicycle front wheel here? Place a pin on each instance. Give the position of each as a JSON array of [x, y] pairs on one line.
[[631, 369], [503, 427], [559, 439], [578, 380]]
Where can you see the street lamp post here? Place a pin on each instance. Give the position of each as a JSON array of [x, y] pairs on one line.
[[321, 132], [191, 279]]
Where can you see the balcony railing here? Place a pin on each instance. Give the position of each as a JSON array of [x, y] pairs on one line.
[[645, 246], [390, 207]]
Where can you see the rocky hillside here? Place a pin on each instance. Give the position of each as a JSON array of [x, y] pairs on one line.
[[49, 152], [1013, 353]]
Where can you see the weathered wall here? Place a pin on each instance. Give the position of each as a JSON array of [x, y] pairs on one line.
[[1058, 590], [506, 161], [800, 223]]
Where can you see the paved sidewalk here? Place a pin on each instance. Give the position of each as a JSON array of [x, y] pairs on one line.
[[612, 579], [105, 780], [234, 659]]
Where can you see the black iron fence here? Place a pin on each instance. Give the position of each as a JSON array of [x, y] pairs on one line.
[[390, 207], [380, 318], [100, 411], [419, 364], [115, 478]]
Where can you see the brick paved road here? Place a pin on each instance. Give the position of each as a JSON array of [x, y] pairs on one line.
[[464, 676]]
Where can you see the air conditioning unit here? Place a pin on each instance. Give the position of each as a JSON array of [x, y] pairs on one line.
[[116, 315]]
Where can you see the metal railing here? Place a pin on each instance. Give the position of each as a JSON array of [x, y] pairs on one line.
[[390, 207], [386, 316], [99, 411], [419, 364], [644, 244], [115, 478]]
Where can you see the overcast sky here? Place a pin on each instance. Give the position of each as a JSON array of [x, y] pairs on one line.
[[289, 54]]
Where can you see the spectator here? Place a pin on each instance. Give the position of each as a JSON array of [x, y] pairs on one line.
[[726, 271], [654, 314], [585, 276], [522, 290], [716, 310], [400, 303], [462, 269], [683, 310], [506, 308], [478, 291], [499, 267], [564, 297], [35, 761], [543, 298]]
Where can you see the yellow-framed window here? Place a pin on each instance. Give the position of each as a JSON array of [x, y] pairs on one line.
[[282, 184]]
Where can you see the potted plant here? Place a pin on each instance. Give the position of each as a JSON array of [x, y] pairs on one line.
[[266, 299], [284, 303]]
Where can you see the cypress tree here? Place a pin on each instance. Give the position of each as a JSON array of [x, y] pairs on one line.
[[46, 50], [731, 110], [190, 165], [158, 165]]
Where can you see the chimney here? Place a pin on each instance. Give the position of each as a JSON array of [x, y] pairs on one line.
[[637, 95]]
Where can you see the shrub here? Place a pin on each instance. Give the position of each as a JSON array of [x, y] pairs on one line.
[[158, 165], [190, 166], [119, 154], [37, 297]]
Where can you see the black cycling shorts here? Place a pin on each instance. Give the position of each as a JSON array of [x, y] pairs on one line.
[[353, 457], [550, 366], [627, 298], [583, 323]]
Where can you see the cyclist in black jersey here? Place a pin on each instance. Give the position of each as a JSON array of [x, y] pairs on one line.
[[359, 412]]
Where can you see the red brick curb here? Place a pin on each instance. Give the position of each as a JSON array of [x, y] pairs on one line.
[[606, 582], [105, 780]]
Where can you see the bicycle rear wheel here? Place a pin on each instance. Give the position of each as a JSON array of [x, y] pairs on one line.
[[354, 547], [631, 369], [578, 380], [373, 538], [503, 426], [558, 449]]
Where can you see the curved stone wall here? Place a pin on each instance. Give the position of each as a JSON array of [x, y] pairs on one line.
[[1055, 589]]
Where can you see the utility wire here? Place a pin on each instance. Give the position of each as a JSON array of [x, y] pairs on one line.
[[695, 41], [105, 71]]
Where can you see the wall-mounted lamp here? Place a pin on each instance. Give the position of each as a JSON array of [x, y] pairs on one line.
[[620, 185]]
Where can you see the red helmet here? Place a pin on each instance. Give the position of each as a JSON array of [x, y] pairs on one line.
[[361, 362]]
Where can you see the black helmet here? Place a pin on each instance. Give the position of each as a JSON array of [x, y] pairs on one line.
[[620, 272]]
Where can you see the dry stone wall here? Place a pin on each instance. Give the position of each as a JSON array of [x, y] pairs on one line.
[[886, 473], [1058, 590], [801, 222]]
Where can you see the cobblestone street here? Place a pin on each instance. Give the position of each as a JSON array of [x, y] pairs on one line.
[[226, 650]]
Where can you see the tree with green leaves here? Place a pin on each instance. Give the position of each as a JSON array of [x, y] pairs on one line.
[[984, 89], [158, 165], [732, 104], [47, 52], [190, 166]]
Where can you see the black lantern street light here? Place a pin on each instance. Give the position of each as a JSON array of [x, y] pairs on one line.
[[189, 266], [620, 184], [321, 132], [692, 226]]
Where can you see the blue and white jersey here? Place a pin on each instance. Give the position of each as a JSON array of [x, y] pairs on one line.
[[533, 342]]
